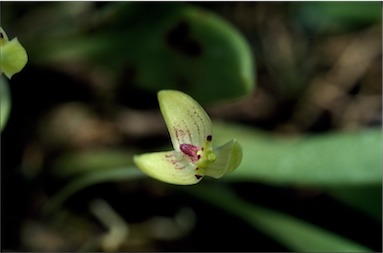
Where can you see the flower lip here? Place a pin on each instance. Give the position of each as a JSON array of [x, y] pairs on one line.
[[190, 151]]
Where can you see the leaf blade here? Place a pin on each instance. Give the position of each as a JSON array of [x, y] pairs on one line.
[[331, 159], [292, 232]]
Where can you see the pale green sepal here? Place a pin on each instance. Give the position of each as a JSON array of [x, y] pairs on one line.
[[170, 167], [186, 120], [228, 158], [13, 58]]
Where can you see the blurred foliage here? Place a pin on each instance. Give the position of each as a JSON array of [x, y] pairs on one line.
[[5, 102], [73, 164], [311, 174], [331, 159], [175, 46], [336, 17], [295, 234]]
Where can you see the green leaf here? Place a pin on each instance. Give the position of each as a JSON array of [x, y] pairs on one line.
[[338, 17], [331, 159], [205, 53], [88, 179], [89, 161], [295, 234], [366, 198], [175, 46], [5, 102]]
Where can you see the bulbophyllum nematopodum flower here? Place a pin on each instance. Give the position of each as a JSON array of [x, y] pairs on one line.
[[13, 56], [194, 156]]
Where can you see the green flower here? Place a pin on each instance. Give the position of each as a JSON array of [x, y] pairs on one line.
[[13, 56], [191, 133]]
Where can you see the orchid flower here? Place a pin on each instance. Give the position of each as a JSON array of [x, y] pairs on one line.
[[194, 156], [13, 56]]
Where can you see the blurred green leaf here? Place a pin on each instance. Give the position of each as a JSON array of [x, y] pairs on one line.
[[295, 234], [88, 179], [5, 102], [337, 16], [176, 46], [332, 159], [366, 198], [91, 160]]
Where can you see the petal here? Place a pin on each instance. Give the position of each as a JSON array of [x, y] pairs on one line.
[[170, 167], [186, 120], [13, 58], [228, 158]]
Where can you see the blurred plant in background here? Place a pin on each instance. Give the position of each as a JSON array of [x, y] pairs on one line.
[[297, 84]]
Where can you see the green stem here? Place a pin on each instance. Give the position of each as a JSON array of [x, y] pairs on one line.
[[112, 175]]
